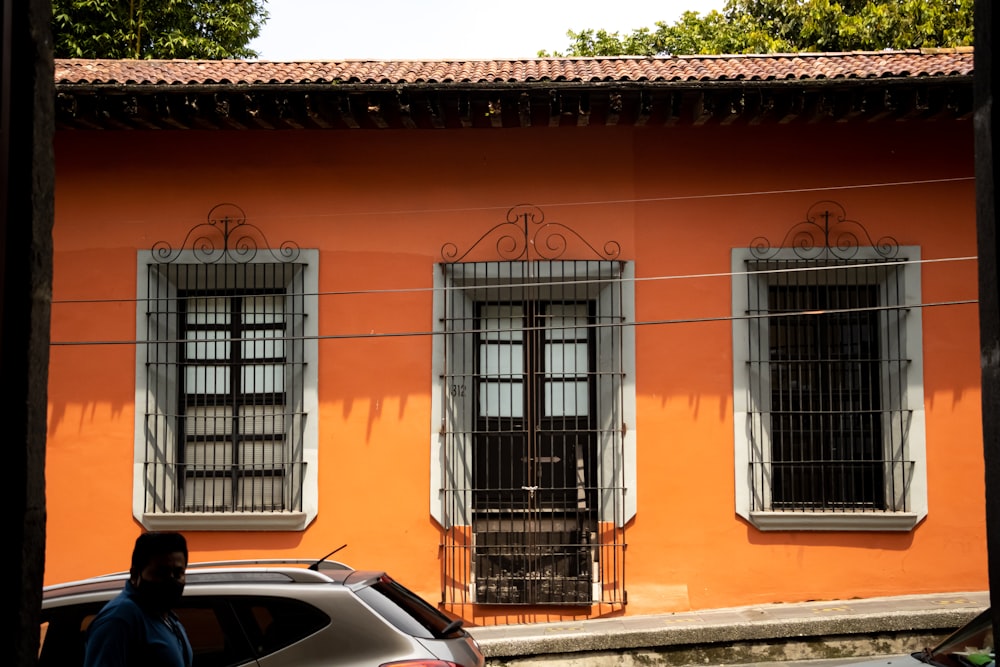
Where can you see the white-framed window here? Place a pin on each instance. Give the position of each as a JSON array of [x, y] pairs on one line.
[[225, 412], [828, 390], [533, 443]]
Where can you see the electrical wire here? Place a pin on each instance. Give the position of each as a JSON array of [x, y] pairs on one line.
[[593, 202], [643, 323], [634, 280], [552, 283]]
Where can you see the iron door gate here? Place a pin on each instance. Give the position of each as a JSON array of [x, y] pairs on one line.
[[530, 447], [534, 453]]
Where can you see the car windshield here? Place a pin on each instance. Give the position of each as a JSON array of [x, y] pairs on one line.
[[969, 646]]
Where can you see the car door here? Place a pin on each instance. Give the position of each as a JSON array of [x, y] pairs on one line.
[[216, 637]]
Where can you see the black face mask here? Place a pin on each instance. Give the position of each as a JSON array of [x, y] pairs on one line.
[[159, 595]]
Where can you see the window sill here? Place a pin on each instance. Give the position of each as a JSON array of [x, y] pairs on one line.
[[226, 521], [834, 521]]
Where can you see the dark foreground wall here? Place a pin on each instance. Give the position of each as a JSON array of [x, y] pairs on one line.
[[26, 192]]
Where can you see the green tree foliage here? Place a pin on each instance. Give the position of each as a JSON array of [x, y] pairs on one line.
[[790, 26], [203, 29]]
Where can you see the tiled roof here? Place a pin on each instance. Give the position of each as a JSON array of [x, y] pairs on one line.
[[438, 94], [808, 66]]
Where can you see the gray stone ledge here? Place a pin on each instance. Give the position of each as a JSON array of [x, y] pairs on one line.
[[846, 624]]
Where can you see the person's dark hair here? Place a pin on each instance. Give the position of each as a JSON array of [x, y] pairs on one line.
[[150, 545]]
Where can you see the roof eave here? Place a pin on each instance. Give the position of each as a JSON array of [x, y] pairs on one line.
[[457, 104]]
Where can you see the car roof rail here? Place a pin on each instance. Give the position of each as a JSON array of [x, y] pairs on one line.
[[269, 575], [312, 563]]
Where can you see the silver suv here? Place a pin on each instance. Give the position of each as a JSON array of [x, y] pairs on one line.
[[275, 613]]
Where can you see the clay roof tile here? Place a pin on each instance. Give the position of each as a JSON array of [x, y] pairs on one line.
[[930, 63]]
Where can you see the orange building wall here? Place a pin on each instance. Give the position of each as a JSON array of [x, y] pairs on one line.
[[380, 204]]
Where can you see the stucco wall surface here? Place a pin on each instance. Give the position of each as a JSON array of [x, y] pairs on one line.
[[380, 205]]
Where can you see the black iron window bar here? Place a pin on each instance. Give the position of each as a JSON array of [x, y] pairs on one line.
[[526, 235], [224, 362], [827, 368]]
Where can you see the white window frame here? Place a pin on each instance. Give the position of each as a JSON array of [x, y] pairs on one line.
[[915, 431], [264, 520]]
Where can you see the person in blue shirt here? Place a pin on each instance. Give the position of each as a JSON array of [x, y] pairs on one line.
[[137, 628]]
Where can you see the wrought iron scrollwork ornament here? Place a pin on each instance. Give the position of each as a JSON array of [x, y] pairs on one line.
[[226, 237], [826, 232], [525, 235]]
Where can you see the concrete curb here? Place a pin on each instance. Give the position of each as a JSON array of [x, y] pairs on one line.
[[923, 615]]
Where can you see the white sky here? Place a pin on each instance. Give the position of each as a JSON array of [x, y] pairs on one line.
[[446, 29]]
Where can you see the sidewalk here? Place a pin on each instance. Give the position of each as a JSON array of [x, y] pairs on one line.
[[806, 630]]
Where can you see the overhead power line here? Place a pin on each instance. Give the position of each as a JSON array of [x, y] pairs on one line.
[[590, 202], [637, 323], [553, 283]]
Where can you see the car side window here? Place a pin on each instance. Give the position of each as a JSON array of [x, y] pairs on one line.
[[63, 632], [216, 638], [408, 611], [215, 635], [275, 623]]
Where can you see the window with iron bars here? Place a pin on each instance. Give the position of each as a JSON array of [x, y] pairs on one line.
[[828, 391], [226, 433], [534, 456]]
